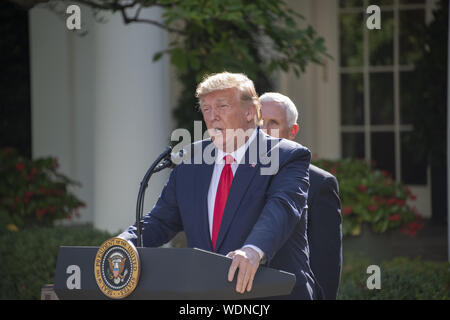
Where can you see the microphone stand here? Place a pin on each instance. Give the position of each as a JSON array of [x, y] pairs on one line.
[[155, 167]]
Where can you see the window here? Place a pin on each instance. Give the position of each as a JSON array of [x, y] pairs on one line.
[[378, 83]]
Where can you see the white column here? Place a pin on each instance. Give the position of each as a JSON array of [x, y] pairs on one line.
[[50, 65], [316, 92], [130, 117], [327, 96]]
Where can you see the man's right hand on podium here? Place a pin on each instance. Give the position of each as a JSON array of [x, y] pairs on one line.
[[247, 260]]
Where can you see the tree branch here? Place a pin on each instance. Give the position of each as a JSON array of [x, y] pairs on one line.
[[127, 19], [116, 5]]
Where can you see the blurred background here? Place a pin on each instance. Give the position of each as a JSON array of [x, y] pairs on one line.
[[83, 114]]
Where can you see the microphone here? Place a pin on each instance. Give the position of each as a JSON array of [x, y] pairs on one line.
[[169, 160], [178, 157]]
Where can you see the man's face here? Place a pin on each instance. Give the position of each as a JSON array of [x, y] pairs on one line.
[[224, 114], [275, 121]]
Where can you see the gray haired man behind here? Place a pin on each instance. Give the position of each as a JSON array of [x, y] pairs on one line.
[[324, 207]]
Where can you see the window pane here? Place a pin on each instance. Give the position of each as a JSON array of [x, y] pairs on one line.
[[351, 39], [414, 166], [350, 3], [383, 151], [353, 145], [412, 25], [411, 93], [382, 98], [381, 42], [352, 99]]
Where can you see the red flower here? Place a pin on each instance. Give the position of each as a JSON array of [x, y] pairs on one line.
[[347, 210], [386, 174], [333, 170], [41, 212], [412, 228], [28, 195], [394, 217], [362, 188], [20, 166], [372, 208], [391, 201], [379, 200]]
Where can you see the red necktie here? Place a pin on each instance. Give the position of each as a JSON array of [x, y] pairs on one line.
[[226, 178]]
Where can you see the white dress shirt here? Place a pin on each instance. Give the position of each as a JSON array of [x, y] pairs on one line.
[[218, 166]]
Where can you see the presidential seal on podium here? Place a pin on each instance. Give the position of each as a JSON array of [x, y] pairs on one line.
[[117, 268]]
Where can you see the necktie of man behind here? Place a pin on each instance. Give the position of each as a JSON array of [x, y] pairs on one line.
[[226, 178]]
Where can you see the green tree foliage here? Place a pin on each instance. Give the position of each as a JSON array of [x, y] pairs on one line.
[[29, 256], [255, 37], [252, 37]]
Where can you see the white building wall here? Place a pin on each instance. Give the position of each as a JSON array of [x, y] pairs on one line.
[[316, 92]]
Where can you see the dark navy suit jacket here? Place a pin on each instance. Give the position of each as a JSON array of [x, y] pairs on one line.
[[325, 230], [268, 211]]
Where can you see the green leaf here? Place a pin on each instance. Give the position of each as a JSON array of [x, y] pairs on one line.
[[157, 56]]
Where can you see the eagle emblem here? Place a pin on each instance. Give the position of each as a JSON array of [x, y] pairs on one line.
[[116, 267]]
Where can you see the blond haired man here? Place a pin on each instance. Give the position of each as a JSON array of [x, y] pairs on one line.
[[230, 207]]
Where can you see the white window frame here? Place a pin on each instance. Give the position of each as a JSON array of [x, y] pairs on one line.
[[366, 69]]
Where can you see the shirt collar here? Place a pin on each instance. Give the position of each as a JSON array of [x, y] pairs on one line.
[[237, 154]]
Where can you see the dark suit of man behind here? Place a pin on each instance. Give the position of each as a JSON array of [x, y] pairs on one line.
[[267, 211], [324, 230]]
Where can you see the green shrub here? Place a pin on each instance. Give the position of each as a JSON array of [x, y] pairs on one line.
[[401, 279], [28, 257], [33, 192], [371, 196]]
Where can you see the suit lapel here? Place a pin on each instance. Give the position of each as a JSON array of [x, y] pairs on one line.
[[202, 178], [241, 182]]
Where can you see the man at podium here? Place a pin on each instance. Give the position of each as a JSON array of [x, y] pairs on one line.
[[249, 202]]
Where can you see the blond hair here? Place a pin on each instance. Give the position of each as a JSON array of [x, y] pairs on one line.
[[227, 80]]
